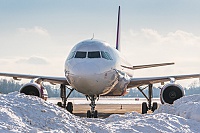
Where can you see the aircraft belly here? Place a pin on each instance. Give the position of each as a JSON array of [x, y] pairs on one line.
[[95, 84]]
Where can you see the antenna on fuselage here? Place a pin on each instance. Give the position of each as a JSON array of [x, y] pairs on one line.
[[92, 37]]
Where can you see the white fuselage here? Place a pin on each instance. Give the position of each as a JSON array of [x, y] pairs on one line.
[[91, 67]]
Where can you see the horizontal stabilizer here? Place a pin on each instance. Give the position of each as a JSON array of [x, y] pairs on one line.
[[147, 66]]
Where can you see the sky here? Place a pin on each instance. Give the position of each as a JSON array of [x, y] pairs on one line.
[[36, 36]]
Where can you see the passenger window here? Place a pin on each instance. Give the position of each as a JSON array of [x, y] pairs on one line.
[[80, 54], [94, 54]]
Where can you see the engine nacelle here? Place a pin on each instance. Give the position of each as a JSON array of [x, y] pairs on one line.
[[171, 92], [35, 90]]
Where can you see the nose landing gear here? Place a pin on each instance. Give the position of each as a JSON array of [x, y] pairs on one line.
[[92, 113]]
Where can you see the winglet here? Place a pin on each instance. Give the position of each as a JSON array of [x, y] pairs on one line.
[[118, 31]]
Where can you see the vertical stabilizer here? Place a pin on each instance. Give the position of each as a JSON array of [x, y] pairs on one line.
[[118, 31]]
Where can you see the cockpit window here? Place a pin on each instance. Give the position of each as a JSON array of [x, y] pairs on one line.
[[106, 55], [94, 54], [71, 55], [90, 54], [80, 54], [110, 58]]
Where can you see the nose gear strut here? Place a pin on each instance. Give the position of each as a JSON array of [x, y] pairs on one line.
[[92, 113]]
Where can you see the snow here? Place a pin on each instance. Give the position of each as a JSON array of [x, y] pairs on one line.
[[187, 107], [22, 113]]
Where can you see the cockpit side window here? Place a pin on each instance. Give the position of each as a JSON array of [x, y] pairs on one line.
[[103, 54], [80, 54], [110, 58], [94, 54], [71, 55], [106, 55]]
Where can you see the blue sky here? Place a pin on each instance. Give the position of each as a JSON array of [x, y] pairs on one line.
[[165, 15], [151, 32]]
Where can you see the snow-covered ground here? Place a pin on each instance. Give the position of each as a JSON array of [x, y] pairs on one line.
[[21, 113]]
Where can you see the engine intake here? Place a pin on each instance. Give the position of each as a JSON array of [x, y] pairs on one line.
[[35, 90], [170, 93]]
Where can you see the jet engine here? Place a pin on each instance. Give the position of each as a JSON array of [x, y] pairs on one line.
[[35, 90], [171, 92]]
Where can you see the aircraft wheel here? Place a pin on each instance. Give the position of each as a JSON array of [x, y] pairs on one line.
[[95, 114], [144, 108], [59, 104], [69, 107], [155, 106], [88, 114]]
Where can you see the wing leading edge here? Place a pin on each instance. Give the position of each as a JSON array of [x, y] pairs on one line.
[[147, 66], [52, 80], [135, 82]]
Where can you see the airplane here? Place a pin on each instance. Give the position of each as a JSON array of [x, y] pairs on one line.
[[95, 69]]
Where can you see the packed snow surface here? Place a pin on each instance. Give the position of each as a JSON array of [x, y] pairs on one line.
[[22, 113]]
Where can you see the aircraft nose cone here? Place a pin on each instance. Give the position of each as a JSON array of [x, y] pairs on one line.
[[84, 77], [85, 69]]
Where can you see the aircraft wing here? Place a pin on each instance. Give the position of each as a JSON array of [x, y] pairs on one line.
[[52, 80], [135, 82], [147, 66]]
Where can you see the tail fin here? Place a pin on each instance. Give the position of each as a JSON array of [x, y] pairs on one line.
[[118, 31]]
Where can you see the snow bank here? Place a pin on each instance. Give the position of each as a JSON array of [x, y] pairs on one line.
[[21, 113], [151, 123], [187, 107]]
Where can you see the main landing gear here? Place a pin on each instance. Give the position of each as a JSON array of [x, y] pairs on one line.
[[68, 106], [148, 106], [92, 113]]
